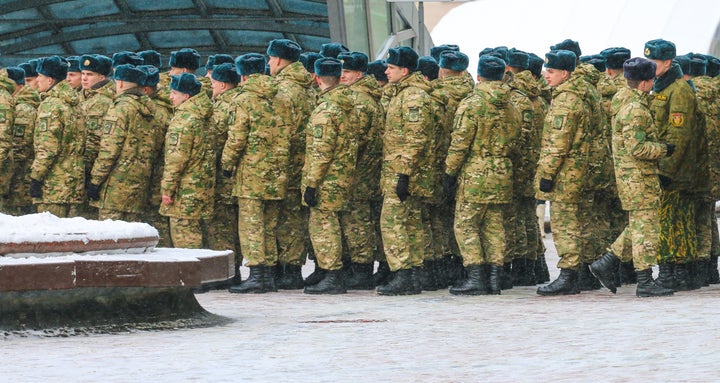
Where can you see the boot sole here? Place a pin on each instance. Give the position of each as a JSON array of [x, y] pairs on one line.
[[547, 294], [602, 282], [325, 292], [654, 295]]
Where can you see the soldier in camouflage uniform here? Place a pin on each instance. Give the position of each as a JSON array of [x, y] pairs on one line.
[[120, 177], [188, 181], [163, 115], [636, 153], [294, 89], [712, 130], [406, 143], [96, 98], [215, 60], [26, 103], [7, 117], [257, 151], [57, 177], [185, 60], [485, 132], [329, 172], [30, 69], [222, 230], [674, 113], [74, 74], [359, 224], [562, 168]]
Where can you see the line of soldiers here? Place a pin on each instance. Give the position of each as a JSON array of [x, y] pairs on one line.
[[405, 161]]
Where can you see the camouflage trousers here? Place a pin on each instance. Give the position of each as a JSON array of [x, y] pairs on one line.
[[18, 201], [358, 229], [639, 241], [678, 233], [521, 229], [257, 228], [402, 232], [442, 217], [480, 233], [326, 237], [61, 210], [292, 230], [600, 234], [160, 223], [186, 233], [704, 215], [567, 230], [104, 214], [222, 230]]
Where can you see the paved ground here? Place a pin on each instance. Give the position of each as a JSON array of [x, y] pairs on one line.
[[432, 337]]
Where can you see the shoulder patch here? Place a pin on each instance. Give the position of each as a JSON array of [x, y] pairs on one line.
[[559, 122], [527, 115], [677, 119], [414, 114]]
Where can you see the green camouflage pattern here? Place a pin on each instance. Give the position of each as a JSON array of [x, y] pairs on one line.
[[124, 163], [678, 232], [186, 233], [26, 103], [189, 174], [163, 115], [402, 232], [365, 95], [94, 103], [708, 103], [638, 242], [525, 96], [326, 237], [257, 224], [7, 117], [258, 141], [59, 142], [480, 232], [223, 115]]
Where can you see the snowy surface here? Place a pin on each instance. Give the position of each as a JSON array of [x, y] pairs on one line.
[[45, 227], [156, 255]]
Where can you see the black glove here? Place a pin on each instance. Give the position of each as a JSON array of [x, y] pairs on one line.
[[227, 173], [670, 149], [546, 185], [310, 197], [403, 187], [450, 185], [664, 182], [35, 188], [93, 192]]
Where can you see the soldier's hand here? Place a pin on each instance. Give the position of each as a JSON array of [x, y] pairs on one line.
[[450, 186], [665, 181], [227, 173], [403, 187], [546, 185], [93, 192], [670, 149], [35, 188], [310, 196], [167, 200]]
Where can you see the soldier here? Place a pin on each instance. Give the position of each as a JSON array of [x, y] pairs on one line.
[[295, 89], [57, 177], [150, 57], [74, 75], [674, 113], [30, 69], [163, 115], [377, 69], [26, 103], [120, 177], [188, 181], [96, 98], [215, 60], [332, 50], [712, 130], [308, 60], [483, 137], [223, 227], [126, 57], [614, 59], [406, 143], [7, 117], [636, 153], [257, 151], [185, 60], [328, 172], [562, 166], [359, 224]]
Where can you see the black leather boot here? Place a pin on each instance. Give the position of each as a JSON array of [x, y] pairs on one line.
[[401, 284], [646, 286], [291, 278], [417, 278], [330, 284], [506, 276], [542, 274], [565, 284], [523, 272], [256, 282], [382, 275], [441, 277], [269, 279], [475, 283], [427, 276], [604, 270], [361, 277], [666, 277], [316, 276], [701, 272], [456, 271], [496, 279], [586, 280], [713, 274], [683, 282], [627, 273], [237, 278]]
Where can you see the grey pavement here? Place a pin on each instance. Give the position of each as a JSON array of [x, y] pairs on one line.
[[433, 337]]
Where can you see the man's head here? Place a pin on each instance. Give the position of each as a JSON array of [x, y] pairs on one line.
[[328, 71], [186, 60], [558, 66], [614, 59], [95, 68], [128, 76], [152, 78], [249, 64], [354, 66], [490, 68], [282, 52], [377, 69], [125, 57], [332, 50], [16, 74], [662, 53], [150, 57], [640, 73], [437, 51], [452, 63], [30, 69], [183, 87], [215, 60], [518, 61], [51, 70], [74, 75], [224, 77], [401, 62]]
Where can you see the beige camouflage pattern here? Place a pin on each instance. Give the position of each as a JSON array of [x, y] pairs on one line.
[[94, 104], [7, 117], [326, 237], [638, 242], [257, 225], [186, 233], [26, 103], [163, 115]]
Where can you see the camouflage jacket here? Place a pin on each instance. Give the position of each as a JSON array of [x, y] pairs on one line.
[[365, 95], [26, 103], [708, 96], [525, 96], [258, 142], [163, 115], [486, 130], [447, 94], [565, 146], [600, 167], [408, 134], [124, 162], [94, 103], [332, 146], [674, 112], [296, 100], [223, 116], [7, 117], [59, 142], [189, 174], [636, 152]]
